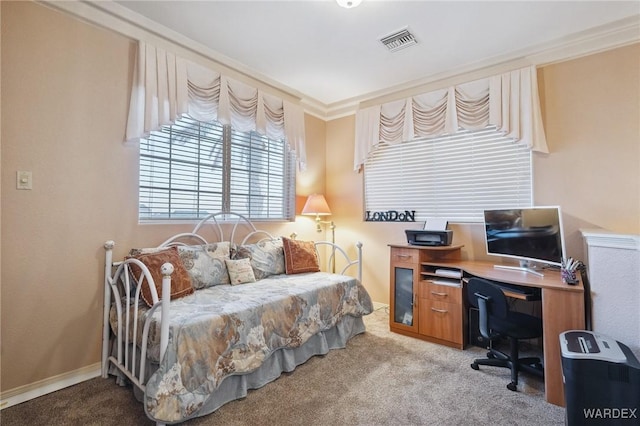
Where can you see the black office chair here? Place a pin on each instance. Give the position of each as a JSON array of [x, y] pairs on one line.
[[497, 320]]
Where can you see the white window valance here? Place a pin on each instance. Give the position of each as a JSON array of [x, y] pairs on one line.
[[508, 101], [165, 87]]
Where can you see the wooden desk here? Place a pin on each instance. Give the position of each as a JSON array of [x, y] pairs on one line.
[[562, 309], [562, 304]]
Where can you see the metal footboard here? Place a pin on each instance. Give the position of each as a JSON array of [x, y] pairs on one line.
[[121, 289]]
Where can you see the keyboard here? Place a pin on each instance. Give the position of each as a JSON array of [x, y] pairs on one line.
[[519, 292]]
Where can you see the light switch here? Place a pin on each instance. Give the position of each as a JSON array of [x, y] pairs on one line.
[[24, 180]]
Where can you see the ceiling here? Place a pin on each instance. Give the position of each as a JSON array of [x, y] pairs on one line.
[[331, 57]]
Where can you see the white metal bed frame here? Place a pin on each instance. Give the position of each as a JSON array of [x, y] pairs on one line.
[[119, 282]]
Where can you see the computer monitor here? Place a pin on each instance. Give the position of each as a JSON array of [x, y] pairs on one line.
[[532, 235]]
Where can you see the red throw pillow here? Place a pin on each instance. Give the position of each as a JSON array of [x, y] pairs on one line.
[[180, 280], [300, 256]]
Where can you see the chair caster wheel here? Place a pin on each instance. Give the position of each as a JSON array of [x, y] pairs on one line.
[[512, 387], [475, 366]]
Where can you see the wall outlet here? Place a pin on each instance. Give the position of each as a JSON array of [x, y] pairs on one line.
[[24, 180]]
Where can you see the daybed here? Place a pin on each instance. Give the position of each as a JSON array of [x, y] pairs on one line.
[[194, 324]]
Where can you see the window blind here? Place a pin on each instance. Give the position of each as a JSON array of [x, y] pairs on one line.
[[193, 168], [454, 177]]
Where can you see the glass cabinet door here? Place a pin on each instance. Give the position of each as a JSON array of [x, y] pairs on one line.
[[403, 296]]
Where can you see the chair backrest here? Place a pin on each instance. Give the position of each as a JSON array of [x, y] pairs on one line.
[[490, 301]]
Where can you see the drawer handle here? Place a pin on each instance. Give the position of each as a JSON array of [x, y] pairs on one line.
[[442, 311], [404, 256], [435, 293]]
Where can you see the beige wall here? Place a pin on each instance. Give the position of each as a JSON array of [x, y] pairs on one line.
[[65, 91], [63, 127], [65, 87], [591, 112]]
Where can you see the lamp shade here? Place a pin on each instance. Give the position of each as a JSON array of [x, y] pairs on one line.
[[316, 204]]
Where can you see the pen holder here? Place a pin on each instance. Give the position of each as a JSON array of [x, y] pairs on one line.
[[569, 277]]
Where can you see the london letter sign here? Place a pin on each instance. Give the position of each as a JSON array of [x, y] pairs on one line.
[[391, 216]]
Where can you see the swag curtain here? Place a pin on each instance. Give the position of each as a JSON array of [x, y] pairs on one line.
[[166, 86], [507, 101]]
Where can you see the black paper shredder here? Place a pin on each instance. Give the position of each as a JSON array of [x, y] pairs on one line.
[[601, 380]]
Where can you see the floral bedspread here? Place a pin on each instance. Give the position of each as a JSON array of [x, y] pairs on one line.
[[225, 330]]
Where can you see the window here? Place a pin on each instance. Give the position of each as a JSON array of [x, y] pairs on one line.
[[192, 168], [454, 177]]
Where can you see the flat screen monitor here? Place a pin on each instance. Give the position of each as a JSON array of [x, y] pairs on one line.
[[531, 234]]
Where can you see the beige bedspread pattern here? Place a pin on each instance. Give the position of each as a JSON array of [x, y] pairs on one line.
[[225, 330]]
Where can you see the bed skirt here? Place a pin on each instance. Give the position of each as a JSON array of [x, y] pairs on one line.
[[283, 360]]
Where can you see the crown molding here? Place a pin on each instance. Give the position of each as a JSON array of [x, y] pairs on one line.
[[112, 16], [598, 39]]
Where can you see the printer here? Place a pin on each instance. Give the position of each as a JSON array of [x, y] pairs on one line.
[[601, 380], [434, 233], [423, 237]]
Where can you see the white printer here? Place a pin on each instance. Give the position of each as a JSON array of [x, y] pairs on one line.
[[601, 380]]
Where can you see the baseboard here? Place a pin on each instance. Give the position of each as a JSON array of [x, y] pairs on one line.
[[378, 305], [33, 390]]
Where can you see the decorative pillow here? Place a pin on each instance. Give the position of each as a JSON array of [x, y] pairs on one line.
[[300, 256], [267, 257], [134, 252], [153, 260], [240, 271], [205, 263]]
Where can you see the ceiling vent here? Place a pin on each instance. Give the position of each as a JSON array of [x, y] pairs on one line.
[[399, 40]]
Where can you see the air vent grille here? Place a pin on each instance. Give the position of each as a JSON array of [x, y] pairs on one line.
[[398, 40]]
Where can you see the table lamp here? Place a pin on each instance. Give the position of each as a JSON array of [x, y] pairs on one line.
[[317, 205]]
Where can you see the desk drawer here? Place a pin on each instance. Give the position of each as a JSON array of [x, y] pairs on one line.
[[405, 255], [442, 293], [441, 320]]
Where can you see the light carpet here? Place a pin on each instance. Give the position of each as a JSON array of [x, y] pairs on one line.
[[380, 378]]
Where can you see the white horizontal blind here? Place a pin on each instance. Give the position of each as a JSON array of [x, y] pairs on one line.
[[454, 177], [192, 168]]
